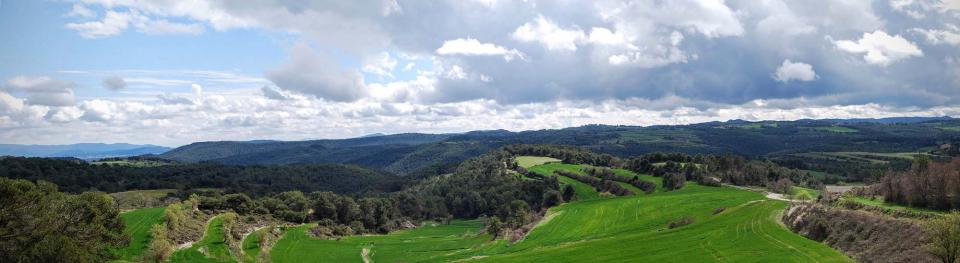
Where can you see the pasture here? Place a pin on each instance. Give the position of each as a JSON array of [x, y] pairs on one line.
[[212, 248], [428, 243], [137, 224], [531, 161], [595, 229]]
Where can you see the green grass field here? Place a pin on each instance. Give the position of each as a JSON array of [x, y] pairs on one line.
[[595, 229], [136, 199], [878, 202], [137, 224], [251, 245], [132, 163], [531, 161], [837, 129], [812, 192], [429, 243], [213, 243]]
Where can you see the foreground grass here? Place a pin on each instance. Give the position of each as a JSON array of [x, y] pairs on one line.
[[617, 229], [427, 243], [137, 224], [531, 161], [251, 245], [213, 243]]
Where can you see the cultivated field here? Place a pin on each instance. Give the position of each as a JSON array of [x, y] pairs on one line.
[[210, 249], [137, 224], [596, 229], [431, 242], [530, 161]]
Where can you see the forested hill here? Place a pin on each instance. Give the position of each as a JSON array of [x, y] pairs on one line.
[[407, 153]]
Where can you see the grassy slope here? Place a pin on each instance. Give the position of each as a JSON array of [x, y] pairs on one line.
[[137, 224], [882, 204], [426, 243], [251, 245], [531, 161], [631, 228], [584, 191], [212, 242]]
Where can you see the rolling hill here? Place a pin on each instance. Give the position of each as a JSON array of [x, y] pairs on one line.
[[407, 153], [88, 151]]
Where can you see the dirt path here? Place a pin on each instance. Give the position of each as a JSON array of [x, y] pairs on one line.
[[776, 196], [190, 243], [365, 255]]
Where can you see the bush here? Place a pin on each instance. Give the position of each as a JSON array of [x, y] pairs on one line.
[[673, 181], [160, 247], [686, 220], [709, 181], [944, 237], [782, 186], [493, 226]]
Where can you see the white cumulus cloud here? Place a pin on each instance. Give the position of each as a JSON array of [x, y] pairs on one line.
[[798, 71], [880, 48], [549, 34], [473, 47]]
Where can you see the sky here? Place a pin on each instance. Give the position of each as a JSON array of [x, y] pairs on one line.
[[171, 72]]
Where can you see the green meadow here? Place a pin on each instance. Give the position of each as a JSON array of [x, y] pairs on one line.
[[595, 229], [431, 242], [212, 248], [530, 161], [729, 225], [137, 224]]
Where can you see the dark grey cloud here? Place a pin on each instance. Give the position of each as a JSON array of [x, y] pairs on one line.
[[114, 83], [718, 52], [319, 74]]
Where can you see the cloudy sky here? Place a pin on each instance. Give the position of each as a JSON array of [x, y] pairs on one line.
[[173, 72]]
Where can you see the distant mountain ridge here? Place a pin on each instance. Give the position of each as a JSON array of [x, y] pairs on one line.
[[412, 152], [86, 151]]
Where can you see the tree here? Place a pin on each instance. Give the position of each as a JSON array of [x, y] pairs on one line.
[[673, 181], [944, 235], [40, 224], [324, 205], [519, 213], [568, 193], [494, 225], [552, 198], [160, 247]]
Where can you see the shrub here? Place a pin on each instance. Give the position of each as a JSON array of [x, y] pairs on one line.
[[673, 181], [160, 247], [782, 186], [686, 220], [709, 181], [944, 237]]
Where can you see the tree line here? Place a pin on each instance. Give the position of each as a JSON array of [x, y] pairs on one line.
[[927, 183], [77, 176], [601, 185], [608, 174], [714, 169]]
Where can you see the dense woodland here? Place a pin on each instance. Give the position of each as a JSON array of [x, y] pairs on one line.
[[76, 176], [706, 169]]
